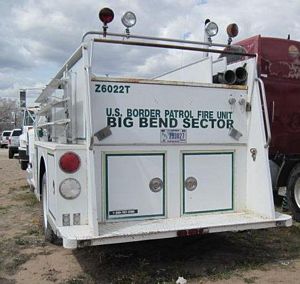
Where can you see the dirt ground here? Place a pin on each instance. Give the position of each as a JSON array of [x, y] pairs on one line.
[[264, 256]]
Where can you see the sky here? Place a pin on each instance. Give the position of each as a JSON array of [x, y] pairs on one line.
[[38, 36]]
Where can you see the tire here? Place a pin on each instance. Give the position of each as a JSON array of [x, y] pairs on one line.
[[10, 154], [277, 199], [274, 169], [24, 165], [50, 236], [293, 192]]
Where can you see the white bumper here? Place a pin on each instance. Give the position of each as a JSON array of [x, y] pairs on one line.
[[121, 232]]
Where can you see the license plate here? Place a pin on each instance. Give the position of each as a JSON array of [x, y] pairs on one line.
[[173, 136]]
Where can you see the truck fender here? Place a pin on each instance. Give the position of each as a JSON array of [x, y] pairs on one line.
[[284, 172]]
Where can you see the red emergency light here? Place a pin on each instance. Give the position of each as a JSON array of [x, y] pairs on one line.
[[106, 15], [232, 30]]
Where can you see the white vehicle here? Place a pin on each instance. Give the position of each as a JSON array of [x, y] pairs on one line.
[[14, 142], [121, 160], [28, 120], [4, 138]]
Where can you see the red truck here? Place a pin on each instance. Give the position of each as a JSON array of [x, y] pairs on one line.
[[278, 64]]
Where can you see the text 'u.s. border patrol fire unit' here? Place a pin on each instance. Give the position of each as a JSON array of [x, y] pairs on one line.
[[119, 159]]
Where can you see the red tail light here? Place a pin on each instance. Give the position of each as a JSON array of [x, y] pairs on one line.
[[69, 162]]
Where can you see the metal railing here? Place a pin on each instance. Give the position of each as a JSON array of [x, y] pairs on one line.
[[126, 41], [265, 108]]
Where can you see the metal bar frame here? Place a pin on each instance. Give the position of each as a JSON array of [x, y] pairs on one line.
[[170, 46], [126, 36]]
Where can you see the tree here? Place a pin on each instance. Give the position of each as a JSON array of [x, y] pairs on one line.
[[10, 114]]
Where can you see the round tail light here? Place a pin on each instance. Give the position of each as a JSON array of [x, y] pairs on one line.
[[69, 162]]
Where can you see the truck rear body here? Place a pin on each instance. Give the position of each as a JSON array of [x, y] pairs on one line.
[[172, 156]]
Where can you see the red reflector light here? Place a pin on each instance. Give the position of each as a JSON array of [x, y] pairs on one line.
[[106, 15], [192, 232], [69, 162]]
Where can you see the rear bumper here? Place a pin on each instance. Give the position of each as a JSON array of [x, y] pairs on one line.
[[121, 232]]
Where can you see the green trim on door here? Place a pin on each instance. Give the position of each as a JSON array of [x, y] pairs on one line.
[[107, 155], [183, 181]]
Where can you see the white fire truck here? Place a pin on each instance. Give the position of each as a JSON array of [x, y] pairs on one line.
[[183, 153]]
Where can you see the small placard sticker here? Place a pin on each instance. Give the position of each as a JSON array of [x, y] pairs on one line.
[[173, 136], [123, 212]]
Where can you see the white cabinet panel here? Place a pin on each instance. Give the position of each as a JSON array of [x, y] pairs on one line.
[[213, 173], [128, 194]]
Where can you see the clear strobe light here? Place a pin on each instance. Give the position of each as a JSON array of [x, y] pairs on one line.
[[211, 29], [129, 19]]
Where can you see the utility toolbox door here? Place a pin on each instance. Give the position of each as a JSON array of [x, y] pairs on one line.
[[207, 182], [135, 185]]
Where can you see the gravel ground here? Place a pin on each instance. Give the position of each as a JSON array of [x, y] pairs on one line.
[[264, 256]]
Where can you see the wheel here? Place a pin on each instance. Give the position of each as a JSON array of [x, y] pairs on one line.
[[10, 154], [24, 165], [50, 236], [293, 192]]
